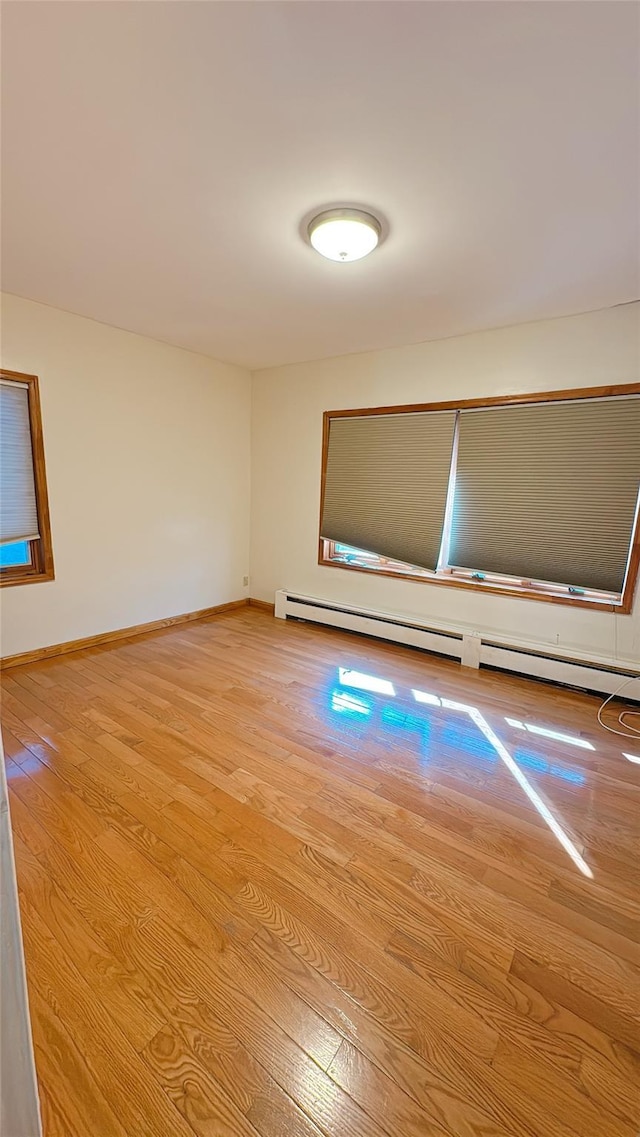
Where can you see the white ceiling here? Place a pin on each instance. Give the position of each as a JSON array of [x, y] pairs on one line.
[[159, 159]]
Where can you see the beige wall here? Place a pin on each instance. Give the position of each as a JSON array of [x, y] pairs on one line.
[[579, 351], [147, 454], [147, 450]]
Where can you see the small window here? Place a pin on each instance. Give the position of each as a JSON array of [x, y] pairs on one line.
[[536, 495], [26, 554]]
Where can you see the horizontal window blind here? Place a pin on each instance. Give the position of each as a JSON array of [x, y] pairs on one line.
[[386, 484], [548, 491], [18, 508]]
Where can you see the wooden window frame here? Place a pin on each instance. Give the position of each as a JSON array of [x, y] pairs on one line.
[[41, 549], [452, 577]]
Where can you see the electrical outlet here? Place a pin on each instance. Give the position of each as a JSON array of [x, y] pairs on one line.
[[245, 581]]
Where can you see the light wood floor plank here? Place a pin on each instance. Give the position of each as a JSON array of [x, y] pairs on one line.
[[261, 902]]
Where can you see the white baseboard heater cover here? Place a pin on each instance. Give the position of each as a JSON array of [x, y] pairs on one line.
[[469, 647]]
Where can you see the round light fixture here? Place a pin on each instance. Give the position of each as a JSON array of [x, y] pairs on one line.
[[344, 234]]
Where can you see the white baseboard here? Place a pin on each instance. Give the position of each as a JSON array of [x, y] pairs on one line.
[[473, 649]]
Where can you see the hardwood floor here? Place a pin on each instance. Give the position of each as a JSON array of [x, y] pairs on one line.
[[262, 895]]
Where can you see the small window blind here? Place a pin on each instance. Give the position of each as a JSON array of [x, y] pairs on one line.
[[548, 491], [18, 507], [386, 484]]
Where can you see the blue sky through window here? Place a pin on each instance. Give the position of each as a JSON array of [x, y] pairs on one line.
[[17, 553]]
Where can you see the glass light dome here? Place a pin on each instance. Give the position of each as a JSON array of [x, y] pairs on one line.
[[344, 234]]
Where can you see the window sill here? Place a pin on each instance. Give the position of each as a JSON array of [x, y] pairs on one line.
[[11, 577], [447, 580]]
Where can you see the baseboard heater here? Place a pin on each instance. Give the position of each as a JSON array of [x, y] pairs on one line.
[[469, 647]]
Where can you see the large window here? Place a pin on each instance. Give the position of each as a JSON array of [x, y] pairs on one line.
[[534, 495], [25, 538]]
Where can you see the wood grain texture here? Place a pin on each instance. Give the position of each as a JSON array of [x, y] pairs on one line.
[[261, 899]]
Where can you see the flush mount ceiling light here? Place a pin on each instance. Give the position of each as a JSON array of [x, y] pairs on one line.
[[344, 234]]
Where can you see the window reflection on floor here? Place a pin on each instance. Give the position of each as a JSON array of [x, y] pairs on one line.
[[363, 682], [423, 721], [345, 704], [545, 732]]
